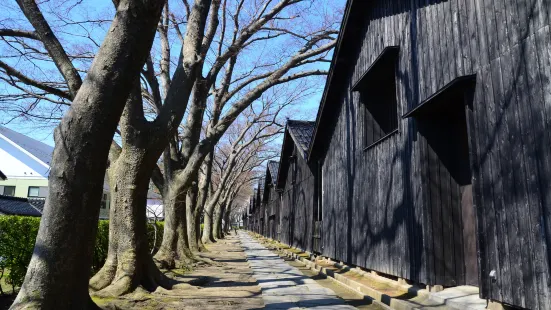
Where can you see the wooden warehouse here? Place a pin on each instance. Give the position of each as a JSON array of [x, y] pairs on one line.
[[297, 185], [271, 200], [253, 213], [430, 156], [260, 208], [433, 135]]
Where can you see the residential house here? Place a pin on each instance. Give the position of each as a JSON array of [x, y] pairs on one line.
[[25, 162]]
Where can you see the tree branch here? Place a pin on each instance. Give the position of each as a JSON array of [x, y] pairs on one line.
[[52, 44], [18, 33], [31, 82]]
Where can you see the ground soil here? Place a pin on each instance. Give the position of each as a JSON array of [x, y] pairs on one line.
[[225, 284]]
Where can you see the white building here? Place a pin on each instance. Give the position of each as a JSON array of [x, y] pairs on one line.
[[25, 163], [25, 167]]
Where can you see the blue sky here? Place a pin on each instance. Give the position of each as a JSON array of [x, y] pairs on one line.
[[58, 11]]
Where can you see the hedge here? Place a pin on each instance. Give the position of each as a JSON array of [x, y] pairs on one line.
[[18, 236]]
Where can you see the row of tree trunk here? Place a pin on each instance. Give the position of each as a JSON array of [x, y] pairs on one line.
[[206, 164]]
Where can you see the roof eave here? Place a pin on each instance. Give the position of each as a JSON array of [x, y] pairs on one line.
[[281, 159], [328, 82]]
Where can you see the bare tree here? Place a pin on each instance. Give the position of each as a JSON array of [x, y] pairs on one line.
[[238, 51], [251, 140], [58, 274], [129, 263], [232, 83], [222, 211], [35, 86]]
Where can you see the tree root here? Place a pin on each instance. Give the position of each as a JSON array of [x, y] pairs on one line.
[[206, 261], [203, 248], [168, 260], [126, 275], [104, 276]]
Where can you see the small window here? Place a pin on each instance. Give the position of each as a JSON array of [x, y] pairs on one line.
[[294, 169], [34, 191], [377, 93], [9, 191], [104, 201]]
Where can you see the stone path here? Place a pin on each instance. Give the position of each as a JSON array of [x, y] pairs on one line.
[[284, 286]]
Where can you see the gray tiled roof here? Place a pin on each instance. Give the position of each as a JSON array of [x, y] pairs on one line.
[[38, 204], [273, 166], [21, 206], [301, 132]]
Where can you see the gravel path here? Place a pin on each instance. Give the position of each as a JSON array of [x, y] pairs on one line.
[[284, 286]]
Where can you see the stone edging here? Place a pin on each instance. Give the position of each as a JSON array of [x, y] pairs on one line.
[[382, 299]]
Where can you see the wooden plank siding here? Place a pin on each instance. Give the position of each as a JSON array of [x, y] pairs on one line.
[[297, 199], [271, 200], [405, 205], [377, 203]]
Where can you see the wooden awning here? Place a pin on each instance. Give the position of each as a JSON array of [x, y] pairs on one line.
[[388, 55], [457, 85]]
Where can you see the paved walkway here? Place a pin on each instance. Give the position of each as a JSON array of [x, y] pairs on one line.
[[284, 286]]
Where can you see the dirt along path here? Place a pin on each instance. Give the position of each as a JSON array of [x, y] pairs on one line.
[[226, 284]]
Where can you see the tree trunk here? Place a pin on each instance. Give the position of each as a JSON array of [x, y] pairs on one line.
[[204, 186], [198, 230], [191, 209], [59, 271], [174, 251], [208, 224], [227, 221], [213, 215], [129, 263], [217, 221], [188, 187]]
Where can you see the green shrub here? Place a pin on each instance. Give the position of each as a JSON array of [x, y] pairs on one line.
[[18, 236], [101, 246]]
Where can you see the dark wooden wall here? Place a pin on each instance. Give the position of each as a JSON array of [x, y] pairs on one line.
[[272, 207], [297, 203], [375, 201], [271, 200]]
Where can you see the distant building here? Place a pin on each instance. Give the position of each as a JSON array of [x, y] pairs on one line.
[[25, 167], [24, 171]]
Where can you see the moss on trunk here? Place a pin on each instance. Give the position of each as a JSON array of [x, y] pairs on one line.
[[174, 251], [129, 263]]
